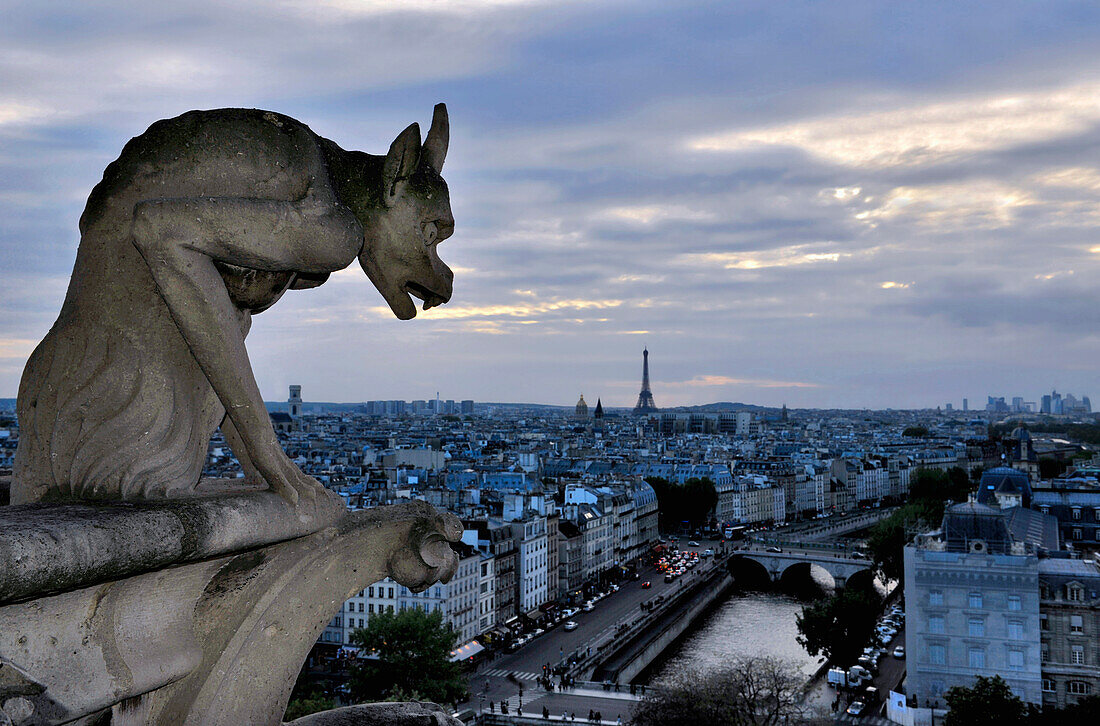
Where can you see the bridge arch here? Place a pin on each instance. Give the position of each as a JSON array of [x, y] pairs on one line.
[[806, 573], [750, 572]]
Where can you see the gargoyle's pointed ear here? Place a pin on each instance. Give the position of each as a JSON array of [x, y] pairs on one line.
[[439, 136], [401, 162]]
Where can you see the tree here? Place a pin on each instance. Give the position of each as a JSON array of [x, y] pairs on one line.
[[314, 703], [413, 655], [692, 502], [916, 432], [755, 691], [935, 488], [1086, 710], [988, 702], [929, 492], [840, 626]]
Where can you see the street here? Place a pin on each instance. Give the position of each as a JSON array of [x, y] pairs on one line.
[[594, 627]]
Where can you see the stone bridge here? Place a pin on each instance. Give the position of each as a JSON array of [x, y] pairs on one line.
[[839, 564]]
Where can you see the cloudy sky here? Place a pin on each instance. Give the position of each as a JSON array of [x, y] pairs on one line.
[[814, 203]]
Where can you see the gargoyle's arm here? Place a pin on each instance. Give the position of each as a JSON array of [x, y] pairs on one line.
[[181, 238]]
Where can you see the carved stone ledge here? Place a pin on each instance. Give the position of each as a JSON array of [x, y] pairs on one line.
[[412, 713], [193, 611]]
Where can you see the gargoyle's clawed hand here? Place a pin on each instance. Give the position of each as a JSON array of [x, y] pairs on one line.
[[427, 556], [288, 481]]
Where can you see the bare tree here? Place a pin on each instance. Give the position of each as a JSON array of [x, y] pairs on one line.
[[755, 691]]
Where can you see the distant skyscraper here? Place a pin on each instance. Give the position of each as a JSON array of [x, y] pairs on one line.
[[1044, 407], [294, 403], [645, 403], [966, 404]]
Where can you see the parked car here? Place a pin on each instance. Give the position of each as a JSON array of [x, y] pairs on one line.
[[571, 625], [588, 607], [899, 652], [855, 709]]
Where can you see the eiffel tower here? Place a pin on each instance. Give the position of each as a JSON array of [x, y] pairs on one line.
[[645, 403]]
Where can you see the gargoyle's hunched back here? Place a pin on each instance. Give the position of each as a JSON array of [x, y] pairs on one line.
[[203, 221]]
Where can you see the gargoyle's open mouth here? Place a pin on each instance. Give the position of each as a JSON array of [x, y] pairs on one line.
[[431, 299]]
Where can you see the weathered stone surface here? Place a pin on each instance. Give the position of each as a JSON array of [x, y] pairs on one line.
[[203, 221], [381, 714], [109, 541], [215, 642], [131, 593]]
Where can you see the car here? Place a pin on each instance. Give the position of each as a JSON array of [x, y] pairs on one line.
[[855, 709], [571, 625], [775, 549], [588, 607], [693, 543], [899, 652], [646, 585], [669, 577], [857, 555]]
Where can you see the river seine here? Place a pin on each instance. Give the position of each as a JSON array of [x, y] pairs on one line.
[[746, 624]]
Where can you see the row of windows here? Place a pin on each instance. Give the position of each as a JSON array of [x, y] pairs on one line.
[[974, 600], [1078, 514], [1076, 654], [1076, 624], [1073, 593], [937, 655], [1075, 688], [976, 627]]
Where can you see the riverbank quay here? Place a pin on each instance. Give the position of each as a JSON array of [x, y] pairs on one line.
[[571, 704], [648, 637]]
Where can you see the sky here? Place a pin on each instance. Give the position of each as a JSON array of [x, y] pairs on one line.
[[822, 204]]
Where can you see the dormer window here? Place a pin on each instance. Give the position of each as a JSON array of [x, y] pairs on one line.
[[1077, 514], [1075, 593]]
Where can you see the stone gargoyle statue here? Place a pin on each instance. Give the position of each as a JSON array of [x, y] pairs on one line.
[[129, 590], [205, 220]]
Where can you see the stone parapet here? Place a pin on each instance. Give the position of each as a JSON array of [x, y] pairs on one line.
[[197, 611]]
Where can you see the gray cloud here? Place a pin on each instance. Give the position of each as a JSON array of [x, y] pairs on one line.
[[899, 210]]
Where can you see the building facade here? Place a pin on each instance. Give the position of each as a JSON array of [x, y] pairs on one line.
[[971, 607]]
